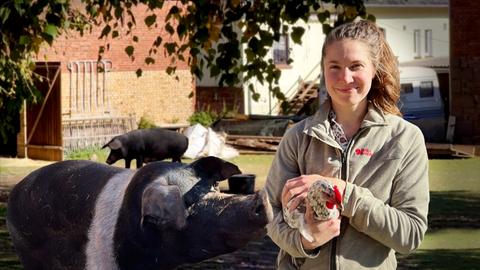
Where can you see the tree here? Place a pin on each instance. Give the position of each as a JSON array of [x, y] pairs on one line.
[[209, 34]]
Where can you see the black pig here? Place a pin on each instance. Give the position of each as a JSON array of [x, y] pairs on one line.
[[85, 215], [146, 145]]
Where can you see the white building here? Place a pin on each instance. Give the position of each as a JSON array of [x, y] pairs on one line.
[[415, 29]]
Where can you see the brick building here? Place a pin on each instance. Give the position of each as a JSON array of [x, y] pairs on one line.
[[155, 94], [100, 99], [465, 70]]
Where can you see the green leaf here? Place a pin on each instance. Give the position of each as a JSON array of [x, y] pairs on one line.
[[129, 50], [297, 33], [135, 38], [118, 12], [24, 40], [158, 41], [170, 47], [174, 11], [214, 71], [322, 16], [51, 30], [326, 28], [181, 30], [170, 70], [115, 34], [106, 30], [4, 14], [149, 61], [150, 20], [169, 29], [139, 72]]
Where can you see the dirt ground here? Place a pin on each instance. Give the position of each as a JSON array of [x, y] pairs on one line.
[[13, 170]]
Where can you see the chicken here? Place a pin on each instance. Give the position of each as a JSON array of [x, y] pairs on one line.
[[326, 202]]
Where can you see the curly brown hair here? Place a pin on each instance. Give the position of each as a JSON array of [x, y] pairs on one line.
[[385, 90]]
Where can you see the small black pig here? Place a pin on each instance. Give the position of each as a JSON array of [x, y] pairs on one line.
[[79, 215], [146, 145]]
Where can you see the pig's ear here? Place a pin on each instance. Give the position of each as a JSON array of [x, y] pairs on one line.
[[107, 144], [215, 168], [115, 144], [163, 207]]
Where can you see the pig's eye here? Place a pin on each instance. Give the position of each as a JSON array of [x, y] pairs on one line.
[[258, 210]]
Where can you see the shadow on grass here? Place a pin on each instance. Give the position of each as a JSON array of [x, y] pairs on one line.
[[454, 209], [441, 259]]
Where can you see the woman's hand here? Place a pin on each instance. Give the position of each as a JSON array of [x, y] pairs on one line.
[[295, 189], [321, 230]]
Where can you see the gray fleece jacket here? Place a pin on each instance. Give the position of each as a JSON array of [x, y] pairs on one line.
[[386, 196]]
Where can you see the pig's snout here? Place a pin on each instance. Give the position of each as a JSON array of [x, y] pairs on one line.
[[109, 161], [262, 210]]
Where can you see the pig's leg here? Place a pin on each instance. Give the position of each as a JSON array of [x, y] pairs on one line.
[[139, 162], [176, 159], [127, 163]]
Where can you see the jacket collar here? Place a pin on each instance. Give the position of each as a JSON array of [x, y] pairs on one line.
[[319, 127]]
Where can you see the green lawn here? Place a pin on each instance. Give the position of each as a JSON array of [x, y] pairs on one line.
[[455, 174], [452, 241]]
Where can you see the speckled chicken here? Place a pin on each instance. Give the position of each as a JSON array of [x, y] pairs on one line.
[[326, 202]]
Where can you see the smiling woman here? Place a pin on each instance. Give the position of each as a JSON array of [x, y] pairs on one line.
[[348, 73], [357, 142]]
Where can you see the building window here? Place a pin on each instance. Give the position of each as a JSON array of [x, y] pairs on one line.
[[406, 88], [416, 43], [281, 50], [426, 89], [428, 43]]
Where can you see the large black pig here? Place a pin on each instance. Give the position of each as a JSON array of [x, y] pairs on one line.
[[146, 145], [86, 215]]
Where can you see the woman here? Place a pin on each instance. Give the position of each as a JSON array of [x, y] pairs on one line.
[[357, 141]]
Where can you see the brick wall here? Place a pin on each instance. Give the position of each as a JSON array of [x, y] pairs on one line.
[[157, 95], [465, 70], [218, 98]]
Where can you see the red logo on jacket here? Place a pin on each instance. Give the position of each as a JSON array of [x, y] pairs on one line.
[[363, 152]]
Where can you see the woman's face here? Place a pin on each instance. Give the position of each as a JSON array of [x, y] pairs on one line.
[[348, 73]]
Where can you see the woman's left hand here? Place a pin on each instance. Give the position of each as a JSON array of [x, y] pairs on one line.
[[295, 189]]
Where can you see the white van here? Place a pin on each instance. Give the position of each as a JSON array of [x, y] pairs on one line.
[[421, 102]]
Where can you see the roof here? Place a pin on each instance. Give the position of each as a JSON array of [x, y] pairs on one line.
[[438, 63], [406, 3]]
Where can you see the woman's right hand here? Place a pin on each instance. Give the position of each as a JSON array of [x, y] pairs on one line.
[[321, 230]]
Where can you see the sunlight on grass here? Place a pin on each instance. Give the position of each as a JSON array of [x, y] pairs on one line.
[[455, 174], [452, 239]]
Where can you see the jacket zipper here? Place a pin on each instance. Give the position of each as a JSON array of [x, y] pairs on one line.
[[343, 176]]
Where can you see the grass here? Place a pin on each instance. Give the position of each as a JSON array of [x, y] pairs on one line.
[[452, 241], [454, 174]]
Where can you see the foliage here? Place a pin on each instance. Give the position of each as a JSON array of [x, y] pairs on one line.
[[146, 122], [230, 38], [205, 118], [25, 27], [88, 153]]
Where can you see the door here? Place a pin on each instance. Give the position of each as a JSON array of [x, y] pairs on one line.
[[44, 122]]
